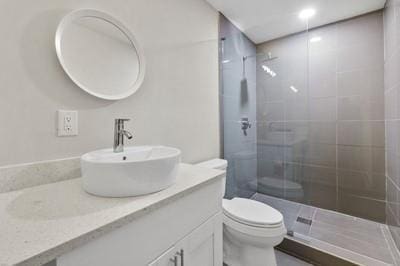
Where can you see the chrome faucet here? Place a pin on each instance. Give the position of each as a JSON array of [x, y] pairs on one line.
[[119, 134]]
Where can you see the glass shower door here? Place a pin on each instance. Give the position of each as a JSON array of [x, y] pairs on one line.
[[283, 125], [238, 114]]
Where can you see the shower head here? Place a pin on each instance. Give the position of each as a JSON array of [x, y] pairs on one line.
[[269, 57], [266, 68]]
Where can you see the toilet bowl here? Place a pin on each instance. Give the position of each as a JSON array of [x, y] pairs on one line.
[[279, 188], [251, 229]]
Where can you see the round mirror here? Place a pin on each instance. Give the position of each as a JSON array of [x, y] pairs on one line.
[[99, 54]]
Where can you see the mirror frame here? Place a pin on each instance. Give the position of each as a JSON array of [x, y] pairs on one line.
[[80, 13]]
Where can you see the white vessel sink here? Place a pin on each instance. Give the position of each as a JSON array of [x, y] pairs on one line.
[[138, 170]]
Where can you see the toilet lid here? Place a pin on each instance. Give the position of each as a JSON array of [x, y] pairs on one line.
[[252, 212]]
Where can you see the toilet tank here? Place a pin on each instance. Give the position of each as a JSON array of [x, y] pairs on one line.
[[219, 164]]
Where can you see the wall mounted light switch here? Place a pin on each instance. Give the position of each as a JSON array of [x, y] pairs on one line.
[[67, 123]]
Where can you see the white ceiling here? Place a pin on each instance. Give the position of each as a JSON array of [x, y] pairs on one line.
[[263, 20]]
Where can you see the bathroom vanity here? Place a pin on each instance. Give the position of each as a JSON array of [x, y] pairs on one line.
[[180, 225]]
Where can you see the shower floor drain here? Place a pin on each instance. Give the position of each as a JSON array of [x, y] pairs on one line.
[[304, 220]]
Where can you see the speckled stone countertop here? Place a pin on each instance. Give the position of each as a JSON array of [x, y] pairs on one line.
[[40, 223]]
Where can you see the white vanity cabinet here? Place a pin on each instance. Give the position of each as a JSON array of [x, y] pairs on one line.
[[185, 231], [200, 248]]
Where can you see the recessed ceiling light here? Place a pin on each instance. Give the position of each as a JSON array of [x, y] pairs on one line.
[[316, 39], [307, 13], [294, 89]]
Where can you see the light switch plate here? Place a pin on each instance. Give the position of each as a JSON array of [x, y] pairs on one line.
[[67, 123]]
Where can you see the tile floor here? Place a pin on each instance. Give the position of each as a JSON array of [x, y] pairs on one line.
[[358, 240]]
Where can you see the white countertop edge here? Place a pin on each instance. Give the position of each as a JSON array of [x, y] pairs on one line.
[[70, 244]]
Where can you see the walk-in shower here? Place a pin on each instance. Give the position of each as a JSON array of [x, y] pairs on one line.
[[316, 148]]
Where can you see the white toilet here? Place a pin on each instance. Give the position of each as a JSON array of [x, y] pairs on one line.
[[251, 229]]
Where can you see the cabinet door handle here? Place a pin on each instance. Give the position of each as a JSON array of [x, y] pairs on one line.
[[175, 260], [182, 255]]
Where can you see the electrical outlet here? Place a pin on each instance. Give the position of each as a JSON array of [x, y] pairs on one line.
[[67, 123]]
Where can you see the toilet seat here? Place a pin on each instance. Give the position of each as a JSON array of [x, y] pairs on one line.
[[252, 213]]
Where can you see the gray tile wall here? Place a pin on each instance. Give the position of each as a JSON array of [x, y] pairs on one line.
[[392, 115], [323, 144], [238, 98]]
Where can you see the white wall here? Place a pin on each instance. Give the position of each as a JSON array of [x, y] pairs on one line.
[[177, 105]]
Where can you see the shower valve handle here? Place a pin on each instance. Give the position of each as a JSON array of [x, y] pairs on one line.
[[245, 123]]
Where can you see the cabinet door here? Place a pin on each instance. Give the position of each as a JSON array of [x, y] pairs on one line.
[[203, 247], [168, 258]]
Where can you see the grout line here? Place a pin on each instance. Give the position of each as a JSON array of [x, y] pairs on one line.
[[392, 181], [390, 246], [337, 139]]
